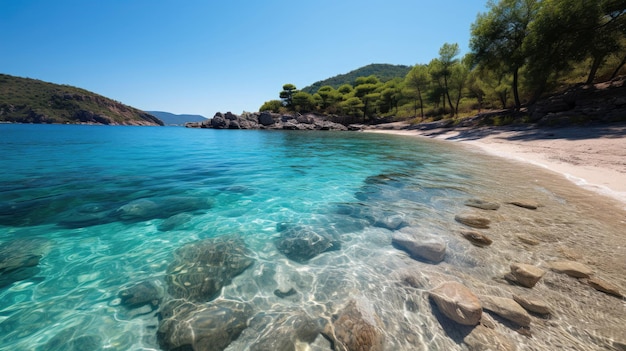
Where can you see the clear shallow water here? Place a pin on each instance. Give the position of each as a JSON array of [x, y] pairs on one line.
[[105, 207]]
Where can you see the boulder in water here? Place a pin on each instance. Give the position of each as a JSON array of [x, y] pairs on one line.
[[200, 269], [357, 327], [143, 293], [201, 327], [301, 244], [19, 259], [420, 247], [457, 302]]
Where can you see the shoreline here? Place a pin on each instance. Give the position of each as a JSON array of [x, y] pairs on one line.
[[592, 157]]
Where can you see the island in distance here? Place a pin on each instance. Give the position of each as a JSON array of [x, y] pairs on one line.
[[171, 119]]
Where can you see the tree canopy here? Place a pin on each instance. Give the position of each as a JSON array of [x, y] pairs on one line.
[[520, 50]]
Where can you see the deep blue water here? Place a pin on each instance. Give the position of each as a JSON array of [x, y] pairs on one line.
[[90, 210]]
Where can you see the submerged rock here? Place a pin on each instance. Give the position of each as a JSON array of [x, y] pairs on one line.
[[457, 302], [473, 221], [301, 244], [604, 286], [419, 246], [485, 339], [201, 327], [484, 205], [476, 238], [507, 309], [532, 304], [571, 268], [159, 207], [143, 293], [357, 327], [525, 204], [525, 274], [200, 269], [282, 330], [19, 259]]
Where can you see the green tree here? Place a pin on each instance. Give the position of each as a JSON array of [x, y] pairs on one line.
[[345, 89], [459, 74], [329, 96], [418, 80], [272, 105], [365, 89], [447, 59], [302, 102], [286, 94], [497, 37], [352, 106]]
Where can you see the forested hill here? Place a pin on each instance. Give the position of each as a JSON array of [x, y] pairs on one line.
[[384, 72], [25, 100]]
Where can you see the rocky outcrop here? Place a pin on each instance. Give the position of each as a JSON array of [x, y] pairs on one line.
[[602, 102], [200, 269], [268, 120], [457, 302]]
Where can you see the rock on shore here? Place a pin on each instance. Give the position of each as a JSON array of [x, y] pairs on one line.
[[267, 120]]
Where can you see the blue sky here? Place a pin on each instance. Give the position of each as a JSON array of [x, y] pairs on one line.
[[200, 57]]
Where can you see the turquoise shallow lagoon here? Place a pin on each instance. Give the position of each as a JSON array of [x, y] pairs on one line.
[[89, 211]]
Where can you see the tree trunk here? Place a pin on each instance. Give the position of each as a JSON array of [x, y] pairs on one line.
[[621, 64], [518, 104], [419, 93], [447, 94], [597, 61]]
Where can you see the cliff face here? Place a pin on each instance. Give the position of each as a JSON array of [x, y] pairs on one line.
[[24, 100]]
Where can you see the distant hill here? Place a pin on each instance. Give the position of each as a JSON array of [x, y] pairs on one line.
[[25, 100], [383, 71], [177, 120]]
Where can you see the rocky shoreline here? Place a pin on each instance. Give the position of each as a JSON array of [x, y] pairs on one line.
[[269, 120]]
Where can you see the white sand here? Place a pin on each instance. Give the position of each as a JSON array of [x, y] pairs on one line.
[[592, 157]]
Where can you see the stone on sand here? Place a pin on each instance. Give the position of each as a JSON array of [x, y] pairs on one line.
[[457, 302], [507, 309], [532, 303], [476, 238], [420, 247], [482, 204], [571, 268], [604, 286], [472, 220], [526, 275]]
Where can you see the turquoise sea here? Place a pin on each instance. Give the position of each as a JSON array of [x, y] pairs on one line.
[[87, 212]]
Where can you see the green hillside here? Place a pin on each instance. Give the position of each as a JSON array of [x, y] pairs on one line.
[[25, 100], [384, 72]]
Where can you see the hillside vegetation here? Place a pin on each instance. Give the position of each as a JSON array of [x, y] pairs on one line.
[[25, 100], [522, 52], [383, 71]]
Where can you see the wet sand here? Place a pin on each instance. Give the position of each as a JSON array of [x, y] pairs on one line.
[[593, 157]]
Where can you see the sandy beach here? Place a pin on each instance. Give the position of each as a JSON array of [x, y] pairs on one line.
[[593, 157]]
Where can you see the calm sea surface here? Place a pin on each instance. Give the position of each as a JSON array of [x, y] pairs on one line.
[[87, 211]]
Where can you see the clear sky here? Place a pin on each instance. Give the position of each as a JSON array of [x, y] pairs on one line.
[[200, 57]]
